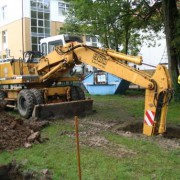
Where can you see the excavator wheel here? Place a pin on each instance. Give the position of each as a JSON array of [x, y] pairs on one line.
[[80, 92], [74, 94], [38, 96], [25, 102], [2, 96]]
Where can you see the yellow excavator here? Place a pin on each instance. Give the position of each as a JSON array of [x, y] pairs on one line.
[[42, 89]]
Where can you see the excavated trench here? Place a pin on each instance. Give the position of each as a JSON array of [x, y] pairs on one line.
[[172, 131], [12, 171]]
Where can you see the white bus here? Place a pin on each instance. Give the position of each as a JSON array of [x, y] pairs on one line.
[[48, 44]]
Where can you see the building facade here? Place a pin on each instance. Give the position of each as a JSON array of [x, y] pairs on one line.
[[24, 22]]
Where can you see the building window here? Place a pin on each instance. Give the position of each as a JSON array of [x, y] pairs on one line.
[[63, 8], [46, 4], [33, 3], [4, 39], [4, 12], [4, 36], [40, 4], [92, 40], [40, 21]]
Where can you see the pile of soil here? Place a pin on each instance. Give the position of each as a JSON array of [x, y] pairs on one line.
[[16, 132]]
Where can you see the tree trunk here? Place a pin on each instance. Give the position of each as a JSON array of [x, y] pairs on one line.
[[170, 20], [127, 37]]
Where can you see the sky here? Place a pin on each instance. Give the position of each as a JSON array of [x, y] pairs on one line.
[[154, 55]]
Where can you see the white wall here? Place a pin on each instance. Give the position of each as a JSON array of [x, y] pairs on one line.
[[14, 10], [154, 55], [54, 11]]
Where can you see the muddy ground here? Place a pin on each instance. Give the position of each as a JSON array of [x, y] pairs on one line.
[[17, 132], [20, 133], [91, 134]]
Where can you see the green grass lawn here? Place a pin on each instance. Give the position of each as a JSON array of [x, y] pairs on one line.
[[145, 157], [132, 103]]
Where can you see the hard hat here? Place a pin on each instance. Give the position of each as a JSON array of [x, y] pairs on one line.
[[179, 79]]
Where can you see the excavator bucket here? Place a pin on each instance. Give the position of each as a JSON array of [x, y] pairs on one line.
[[62, 110]]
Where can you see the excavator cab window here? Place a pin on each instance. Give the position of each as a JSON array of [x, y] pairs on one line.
[[32, 56]]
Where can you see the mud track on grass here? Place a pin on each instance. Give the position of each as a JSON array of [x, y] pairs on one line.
[[92, 134]]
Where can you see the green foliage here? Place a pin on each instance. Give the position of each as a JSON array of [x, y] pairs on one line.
[[119, 24], [176, 87], [172, 30]]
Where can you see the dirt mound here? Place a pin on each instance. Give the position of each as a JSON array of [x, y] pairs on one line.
[[13, 171], [16, 132]]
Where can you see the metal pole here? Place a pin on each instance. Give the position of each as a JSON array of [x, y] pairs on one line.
[[77, 145], [22, 28]]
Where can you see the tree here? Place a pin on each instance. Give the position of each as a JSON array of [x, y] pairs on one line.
[[114, 21], [172, 31]]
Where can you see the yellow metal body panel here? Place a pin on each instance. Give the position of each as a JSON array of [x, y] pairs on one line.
[[12, 94], [118, 55], [6, 70], [148, 130], [158, 86], [13, 72], [161, 79], [59, 61], [57, 90]]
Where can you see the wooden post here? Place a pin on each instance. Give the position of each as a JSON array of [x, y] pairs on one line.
[[77, 145]]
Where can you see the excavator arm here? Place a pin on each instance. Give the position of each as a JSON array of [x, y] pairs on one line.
[[158, 86]]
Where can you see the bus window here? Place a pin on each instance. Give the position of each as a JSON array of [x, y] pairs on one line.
[[53, 44], [73, 38], [44, 48]]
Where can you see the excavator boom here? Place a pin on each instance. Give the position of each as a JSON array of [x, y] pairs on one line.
[[158, 86]]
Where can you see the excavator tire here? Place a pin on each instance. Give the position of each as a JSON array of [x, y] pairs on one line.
[[2, 96], [80, 92], [25, 102], [74, 94], [38, 96]]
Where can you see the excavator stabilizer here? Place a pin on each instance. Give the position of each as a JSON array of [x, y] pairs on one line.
[[62, 110]]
